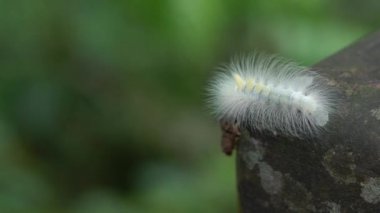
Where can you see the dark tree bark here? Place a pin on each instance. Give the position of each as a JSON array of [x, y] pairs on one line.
[[338, 172]]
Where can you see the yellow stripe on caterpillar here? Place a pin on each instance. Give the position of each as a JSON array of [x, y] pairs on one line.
[[240, 83], [250, 84]]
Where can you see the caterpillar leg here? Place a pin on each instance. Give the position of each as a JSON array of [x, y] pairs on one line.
[[230, 135]]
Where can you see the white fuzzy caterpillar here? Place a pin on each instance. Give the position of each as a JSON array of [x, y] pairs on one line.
[[266, 92]]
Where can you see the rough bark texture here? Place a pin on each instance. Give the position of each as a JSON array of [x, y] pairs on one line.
[[339, 172]]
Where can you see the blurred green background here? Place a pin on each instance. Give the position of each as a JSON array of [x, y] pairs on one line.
[[102, 102]]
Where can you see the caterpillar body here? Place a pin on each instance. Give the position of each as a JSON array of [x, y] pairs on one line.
[[267, 92]]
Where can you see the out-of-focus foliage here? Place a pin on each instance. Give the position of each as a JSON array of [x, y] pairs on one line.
[[101, 102]]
